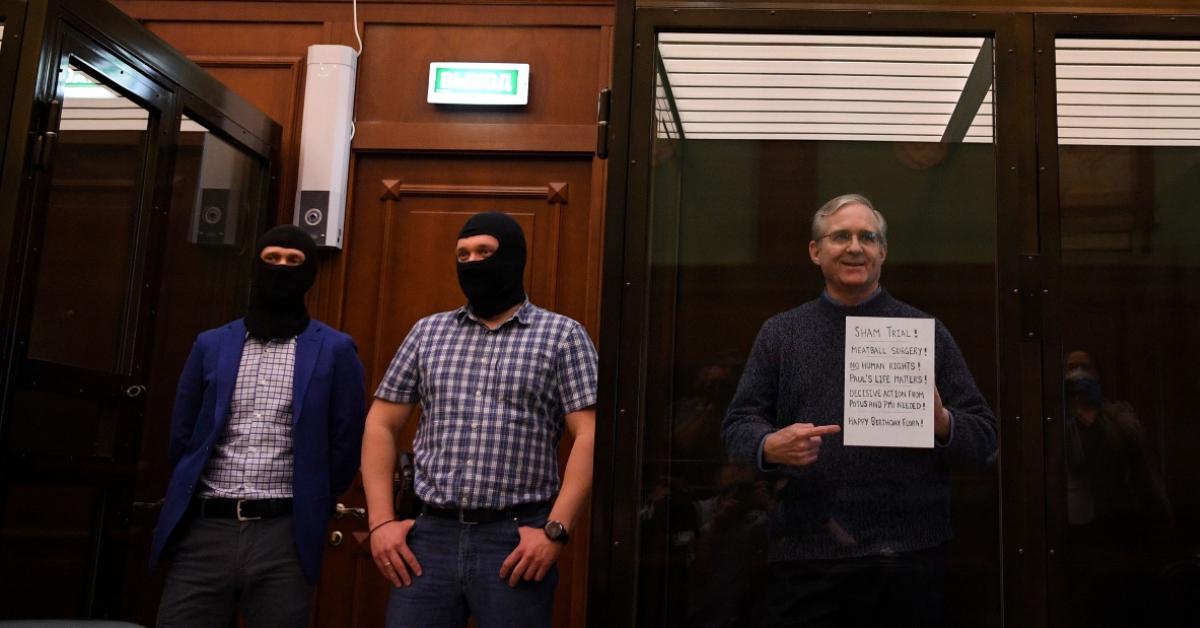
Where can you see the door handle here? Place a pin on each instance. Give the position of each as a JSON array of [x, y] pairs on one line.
[[135, 391], [341, 511], [335, 538]]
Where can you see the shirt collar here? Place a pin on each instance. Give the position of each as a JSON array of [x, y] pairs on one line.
[[523, 315], [246, 337]]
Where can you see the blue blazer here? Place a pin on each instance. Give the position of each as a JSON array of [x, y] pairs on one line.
[[328, 399]]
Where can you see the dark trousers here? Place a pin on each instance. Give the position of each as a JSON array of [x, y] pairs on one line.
[[220, 565], [901, 591]]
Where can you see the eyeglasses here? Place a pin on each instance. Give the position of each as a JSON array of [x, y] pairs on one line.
[[842, 237]]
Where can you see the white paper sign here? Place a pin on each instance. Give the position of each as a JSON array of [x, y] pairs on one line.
[[889, 382]]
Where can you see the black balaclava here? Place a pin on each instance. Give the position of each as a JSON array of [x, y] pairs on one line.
[[493, 285], [277, 307]]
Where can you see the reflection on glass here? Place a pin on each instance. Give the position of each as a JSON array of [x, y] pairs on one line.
[[1129, 161], [215, 209], [215, 212], [752, 132], [1, 31], [84, 280]]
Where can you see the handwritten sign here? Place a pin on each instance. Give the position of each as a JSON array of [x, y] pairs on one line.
[[889, 382]]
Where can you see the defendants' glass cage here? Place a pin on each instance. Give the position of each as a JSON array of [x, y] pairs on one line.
[[1036, 172]]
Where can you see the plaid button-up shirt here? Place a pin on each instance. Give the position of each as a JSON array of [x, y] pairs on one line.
[[253, 458], [492, 402]]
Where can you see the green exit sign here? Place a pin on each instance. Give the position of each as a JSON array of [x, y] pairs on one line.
[[479, 83]]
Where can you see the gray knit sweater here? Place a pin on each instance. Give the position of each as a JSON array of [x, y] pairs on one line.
[[853, 501]]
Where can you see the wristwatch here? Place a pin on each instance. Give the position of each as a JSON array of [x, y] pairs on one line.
[[555, 531]]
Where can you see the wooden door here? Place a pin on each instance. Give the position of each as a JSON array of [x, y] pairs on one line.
[[401, 267]]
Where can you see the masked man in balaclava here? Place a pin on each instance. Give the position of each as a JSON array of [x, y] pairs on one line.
[[497, 380], [265, 434]]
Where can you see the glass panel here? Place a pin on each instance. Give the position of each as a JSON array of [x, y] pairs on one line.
[[42, 549], [1129, 191], [84, 282], [216, 212], [752, 133]]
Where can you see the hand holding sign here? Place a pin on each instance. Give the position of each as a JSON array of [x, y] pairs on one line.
[[796, 445], [941, 418]]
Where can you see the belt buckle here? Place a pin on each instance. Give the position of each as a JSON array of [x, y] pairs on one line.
[[238, 512]]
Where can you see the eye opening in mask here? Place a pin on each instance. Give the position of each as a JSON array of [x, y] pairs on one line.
[[476, 248], [282, 256]]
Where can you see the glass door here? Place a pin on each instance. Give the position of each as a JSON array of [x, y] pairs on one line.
[[73, 415], [1121, 207], [135, 187], [746, 130]]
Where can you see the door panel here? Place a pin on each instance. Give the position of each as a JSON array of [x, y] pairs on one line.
[[746, 121], [1122, 458], [83, 292], [216, 210], [736, 173], [134, 183], [75, 411], [407, 214]]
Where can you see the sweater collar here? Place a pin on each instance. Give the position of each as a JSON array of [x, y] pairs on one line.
[[876, 302], [828, 297]]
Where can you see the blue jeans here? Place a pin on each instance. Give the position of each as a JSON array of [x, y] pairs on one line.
[[460, 577]]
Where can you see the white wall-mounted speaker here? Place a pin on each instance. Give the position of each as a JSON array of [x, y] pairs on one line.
[[325, 143]]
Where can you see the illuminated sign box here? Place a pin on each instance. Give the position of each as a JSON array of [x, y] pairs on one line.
[[479, 83]]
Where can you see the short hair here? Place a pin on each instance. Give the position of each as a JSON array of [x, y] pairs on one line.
[[832, 206]]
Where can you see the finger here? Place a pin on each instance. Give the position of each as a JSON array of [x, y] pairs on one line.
[[510, 562], [542, 571], [410, 559], [532, 569], [397, 565], [385, 568], [822, 430], [518, 572]]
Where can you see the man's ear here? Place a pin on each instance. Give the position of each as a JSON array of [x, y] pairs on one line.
[[812, 252]]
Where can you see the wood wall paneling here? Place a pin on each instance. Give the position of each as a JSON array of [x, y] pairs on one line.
[[560, 116], [442, 163], [263, 63]]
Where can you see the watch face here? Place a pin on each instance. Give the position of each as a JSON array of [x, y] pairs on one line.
[[555, 530]]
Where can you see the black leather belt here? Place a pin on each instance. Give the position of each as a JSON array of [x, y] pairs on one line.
[[484, 515], [241, 509]]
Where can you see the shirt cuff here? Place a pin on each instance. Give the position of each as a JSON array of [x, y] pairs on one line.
[[759, 462]]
